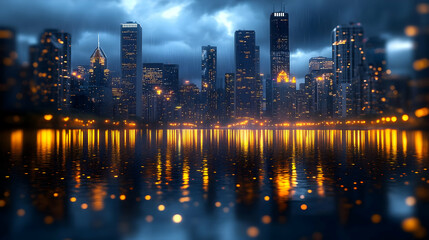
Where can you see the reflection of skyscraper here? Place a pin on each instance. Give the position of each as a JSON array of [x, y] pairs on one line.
[[52, 70], [247, 99], [208, 82], [349, 64], [131, 66], [100, 91], [229, 95]]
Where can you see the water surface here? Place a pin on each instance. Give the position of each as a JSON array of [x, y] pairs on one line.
[[214, 184]]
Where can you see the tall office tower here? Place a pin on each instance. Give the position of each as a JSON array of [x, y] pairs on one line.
[[131, 67], [377, 70], [283, 93], [247, 100], [350, 70], [229, 96], [189, 101], [421, 62], [208, 83], [100, 90], [8, 70], [52, 70], [321, 74]]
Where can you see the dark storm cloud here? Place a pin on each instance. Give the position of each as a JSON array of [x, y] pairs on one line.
[[175, 30]]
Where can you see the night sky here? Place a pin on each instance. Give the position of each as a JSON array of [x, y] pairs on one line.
[[175, 30]]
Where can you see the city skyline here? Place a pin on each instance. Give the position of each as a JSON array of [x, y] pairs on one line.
[[303, 42]]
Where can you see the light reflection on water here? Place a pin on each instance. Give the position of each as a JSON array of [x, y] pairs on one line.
[[225, 184]]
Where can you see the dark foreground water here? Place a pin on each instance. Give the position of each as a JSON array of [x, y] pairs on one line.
[[214, 184]]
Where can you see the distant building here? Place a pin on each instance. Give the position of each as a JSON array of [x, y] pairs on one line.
[[421, 59], [8, 70], [208, 83], [377, 71], [321, 73], [247, 97], [284, 102], [160, 97], [229, 96], [100, 88], [189, 102], [351, 83], [79, 90], [131, 62]]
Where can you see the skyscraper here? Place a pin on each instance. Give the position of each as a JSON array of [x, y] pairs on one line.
[[208, 82], [229, 95], [247, 99], [52, 70], [131, 67], [349, 65], [100, 90], [281, 103]]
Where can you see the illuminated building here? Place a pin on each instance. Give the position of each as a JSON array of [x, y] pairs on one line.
[[229, 95], [247, 97], [279, 61], [421, 58], [100, 91], [52, 71], [131, 62], [189, 102], [208, 82], [375, 48], [8, 73], [350, 71], [284, 102]]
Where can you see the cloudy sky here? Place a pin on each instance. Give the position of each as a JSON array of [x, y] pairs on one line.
[[175, 30]]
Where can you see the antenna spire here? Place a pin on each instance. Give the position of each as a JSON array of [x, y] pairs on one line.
[[98, 41]]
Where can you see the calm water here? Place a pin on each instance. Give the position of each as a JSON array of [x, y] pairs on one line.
[[214, 184]]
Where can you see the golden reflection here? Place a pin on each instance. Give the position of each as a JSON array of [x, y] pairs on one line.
[[98, 194], [16, 139]]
